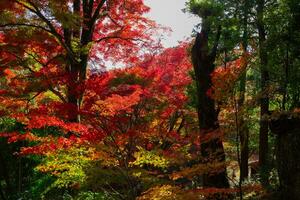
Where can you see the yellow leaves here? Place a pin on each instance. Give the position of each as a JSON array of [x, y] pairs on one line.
[[197, 170], [105, 158], [67, 165], [169, 192], [164, 192], [155, 123], [48, 95], [137, 174], [144, 157]]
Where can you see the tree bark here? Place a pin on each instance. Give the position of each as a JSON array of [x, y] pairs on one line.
[[264, 104], [212, 150], [4, 173], [287, 130], [77, 67], [244, 131]]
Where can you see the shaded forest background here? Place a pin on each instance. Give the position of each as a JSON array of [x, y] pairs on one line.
[[216, 117]]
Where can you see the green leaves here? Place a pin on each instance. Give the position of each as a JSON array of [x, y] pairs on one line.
[[205, 8]]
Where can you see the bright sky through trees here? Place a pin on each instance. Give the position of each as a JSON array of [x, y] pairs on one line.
[[169, 13]]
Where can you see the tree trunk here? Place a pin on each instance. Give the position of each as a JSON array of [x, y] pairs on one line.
[[4, 173], [264, 104], [78, 66], [243, 127], [212, 149], [287, 129]]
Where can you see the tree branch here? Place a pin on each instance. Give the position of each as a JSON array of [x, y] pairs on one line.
[[118, 37], [213, 52], [24, 24], [97, 12], [52, 30]]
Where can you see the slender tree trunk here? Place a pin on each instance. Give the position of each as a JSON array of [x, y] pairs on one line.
[[244, 131], [212, 149], [286, 77], [264, 104], [4, 173], [2, 193], [20, 177]]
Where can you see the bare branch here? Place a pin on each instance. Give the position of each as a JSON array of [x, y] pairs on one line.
[[119, 38], [213, 52], [24, 24], [97, 12]]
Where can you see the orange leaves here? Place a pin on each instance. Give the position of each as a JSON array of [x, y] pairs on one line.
[[224, 78], [9, 74], [198, 170], [117, 103]]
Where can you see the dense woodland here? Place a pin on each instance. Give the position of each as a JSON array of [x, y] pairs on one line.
[[216, 117]]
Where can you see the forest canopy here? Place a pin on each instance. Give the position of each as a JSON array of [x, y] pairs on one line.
[[215, 117]]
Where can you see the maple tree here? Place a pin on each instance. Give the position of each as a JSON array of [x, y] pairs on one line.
[[46, 88], [77, 33]]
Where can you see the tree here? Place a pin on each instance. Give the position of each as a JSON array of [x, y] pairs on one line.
[[203, 60], [243, 126], [78, 34], [264, 104]]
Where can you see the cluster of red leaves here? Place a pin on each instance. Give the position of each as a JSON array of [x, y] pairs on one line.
[[33, 64], [124, 33], [116, 104], [125, 103], [120, 34]]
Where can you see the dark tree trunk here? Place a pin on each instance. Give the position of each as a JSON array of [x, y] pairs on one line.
[[286, 77], [77, 67], [243, 127], [264, 104], [4, 173], [212, 149], [287, 130], [243, 132]]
